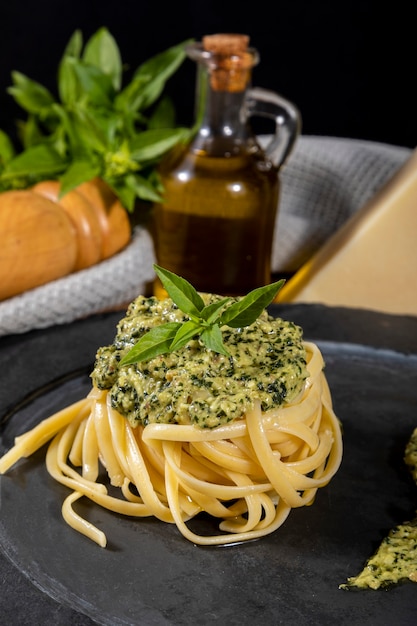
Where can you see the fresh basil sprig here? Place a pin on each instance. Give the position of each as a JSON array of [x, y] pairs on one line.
[[205, 321], [96, 126]]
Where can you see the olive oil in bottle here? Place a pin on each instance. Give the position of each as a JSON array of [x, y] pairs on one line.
[[215, 226]]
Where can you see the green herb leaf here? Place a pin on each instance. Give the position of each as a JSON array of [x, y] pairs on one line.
[[181, 292], [74, 46], [67, 82], [102, 51], [213, 340], [29, 94], [34, 162], [245, 311], [85, 133], [78, 172], [163, 114], [129, 99], [125, 193], [94, 86], [151, 144], [129, 187], [156, 341], [7, 150], [156, 72], [210, 313], [185, 333]]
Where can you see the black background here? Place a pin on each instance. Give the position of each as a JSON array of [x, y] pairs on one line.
[[349, 66]]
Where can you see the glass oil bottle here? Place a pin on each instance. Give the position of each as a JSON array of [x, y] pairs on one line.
[[215, 226]]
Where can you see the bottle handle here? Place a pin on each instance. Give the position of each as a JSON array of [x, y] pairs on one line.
[[265, 103]]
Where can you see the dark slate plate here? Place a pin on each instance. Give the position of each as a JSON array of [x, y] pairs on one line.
[[149, 574]]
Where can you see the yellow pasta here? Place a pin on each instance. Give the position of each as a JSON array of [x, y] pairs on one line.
[[249, 474]]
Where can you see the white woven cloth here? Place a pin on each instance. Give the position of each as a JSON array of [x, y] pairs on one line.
[[324, 182]]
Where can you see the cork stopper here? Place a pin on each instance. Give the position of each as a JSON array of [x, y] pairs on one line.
[[226, 44], [232, 61]]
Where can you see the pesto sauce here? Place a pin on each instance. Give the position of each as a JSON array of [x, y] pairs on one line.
[[195, 385], [396, 558]]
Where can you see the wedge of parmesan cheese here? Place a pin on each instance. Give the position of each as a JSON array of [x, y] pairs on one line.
[[371, 262]]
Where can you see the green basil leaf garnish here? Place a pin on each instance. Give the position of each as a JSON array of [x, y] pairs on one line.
[[181, 292], [205, 321], [211, 312], [212, 339], [156, 341], [185, 333], [247, 310]]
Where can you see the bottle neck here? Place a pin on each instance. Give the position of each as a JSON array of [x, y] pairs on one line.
[[221, 125]]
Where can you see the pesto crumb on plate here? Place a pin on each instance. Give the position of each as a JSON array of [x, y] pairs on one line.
[[396, 558]]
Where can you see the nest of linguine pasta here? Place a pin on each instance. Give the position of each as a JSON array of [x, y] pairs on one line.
[[247, 472]]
